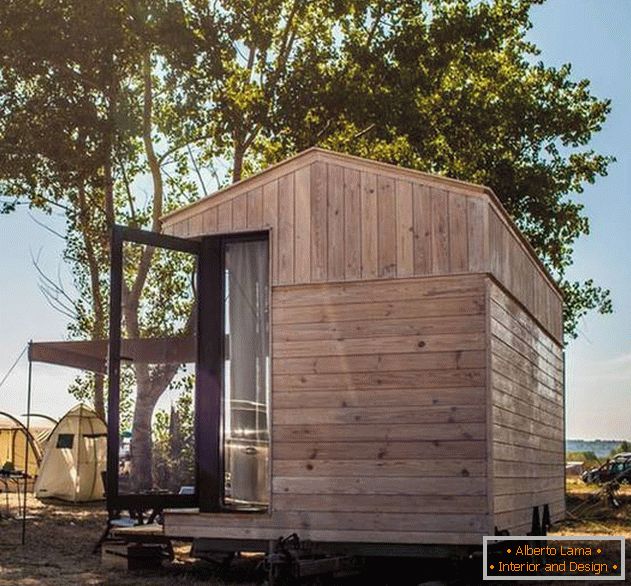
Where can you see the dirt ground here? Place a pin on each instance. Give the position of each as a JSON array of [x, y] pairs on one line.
[[60, 538], [58, 551]]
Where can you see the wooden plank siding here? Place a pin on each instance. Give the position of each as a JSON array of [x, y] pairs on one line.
[[527, 396], [332, 222], [517, 270], [343, 465], [417, 371]]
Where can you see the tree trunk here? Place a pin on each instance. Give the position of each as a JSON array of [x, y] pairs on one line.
[[148, 391], [85, 220], [141, 441], [237, 168], [149, 388], [99, 396]]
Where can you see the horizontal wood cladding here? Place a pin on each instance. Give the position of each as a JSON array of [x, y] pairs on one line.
[[413, 397], [379, 467], [527, 410], [386, 345], [381, 449], [324, 365], [337, 452], [520, 518], [464, 324], [378, 403], [400, 432], [411, 308], [456, 376], [213, 527], [332, 521], [370, 503], [385, 486], [378, 416], [348, 294]]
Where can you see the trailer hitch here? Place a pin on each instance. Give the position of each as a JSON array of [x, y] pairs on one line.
[[293, 561]]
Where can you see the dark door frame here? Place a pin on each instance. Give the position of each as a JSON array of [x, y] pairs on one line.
[[209, 482]]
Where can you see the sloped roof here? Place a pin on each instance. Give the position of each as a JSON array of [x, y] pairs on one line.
[[315, 154], [312, 154]]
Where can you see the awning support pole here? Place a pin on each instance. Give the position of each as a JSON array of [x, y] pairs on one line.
[[28, 435]]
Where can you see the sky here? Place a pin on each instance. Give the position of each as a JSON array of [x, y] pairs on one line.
[[592, 35]]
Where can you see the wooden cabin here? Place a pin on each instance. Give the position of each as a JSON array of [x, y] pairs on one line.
[[416, 367]]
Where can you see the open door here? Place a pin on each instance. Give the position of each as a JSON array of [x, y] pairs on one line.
[[189, 372], [156, 456]]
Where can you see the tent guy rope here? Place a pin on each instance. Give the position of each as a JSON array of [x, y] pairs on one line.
[[6, 376]]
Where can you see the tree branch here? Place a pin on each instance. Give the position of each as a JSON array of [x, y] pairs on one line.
[[93, 267], [54, 292], [130, 197], [158, 190], [182, 146], [147, 127], [287, 41], [197, 171], [48, 228]]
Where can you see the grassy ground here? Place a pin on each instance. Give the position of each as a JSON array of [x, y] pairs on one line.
[[60, 538]]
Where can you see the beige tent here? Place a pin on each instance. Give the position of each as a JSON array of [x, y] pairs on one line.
[[74, 459], [13, 441]]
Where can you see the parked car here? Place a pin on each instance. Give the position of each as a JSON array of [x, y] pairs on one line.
[[616, 468]]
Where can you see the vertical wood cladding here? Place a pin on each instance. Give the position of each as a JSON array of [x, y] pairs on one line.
[[332, 222]]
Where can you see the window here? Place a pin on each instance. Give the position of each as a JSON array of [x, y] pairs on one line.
[[65, 441]]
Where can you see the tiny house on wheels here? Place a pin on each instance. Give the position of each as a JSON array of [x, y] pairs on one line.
[[376, 360]]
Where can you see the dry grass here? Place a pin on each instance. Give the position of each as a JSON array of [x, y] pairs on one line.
[[58, 552], [589, 512], [60, 539]]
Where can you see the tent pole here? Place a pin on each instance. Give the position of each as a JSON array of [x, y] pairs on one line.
[[77, 482], [28, 432]]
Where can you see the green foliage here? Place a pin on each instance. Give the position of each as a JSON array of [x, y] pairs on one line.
[[101, 98], [589, 459], [451, 87], [624, 446], [174, 439], [56, 74]]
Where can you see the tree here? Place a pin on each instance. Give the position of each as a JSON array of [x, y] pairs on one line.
[[80, 125], [588, 458], [101, 97], [623, 447], [450, 87], [58, 83]]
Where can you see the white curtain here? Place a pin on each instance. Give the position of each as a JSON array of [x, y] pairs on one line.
[[247, 267]]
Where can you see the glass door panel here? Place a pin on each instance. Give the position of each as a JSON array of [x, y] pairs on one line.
[[246, 380], [153, 355]]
